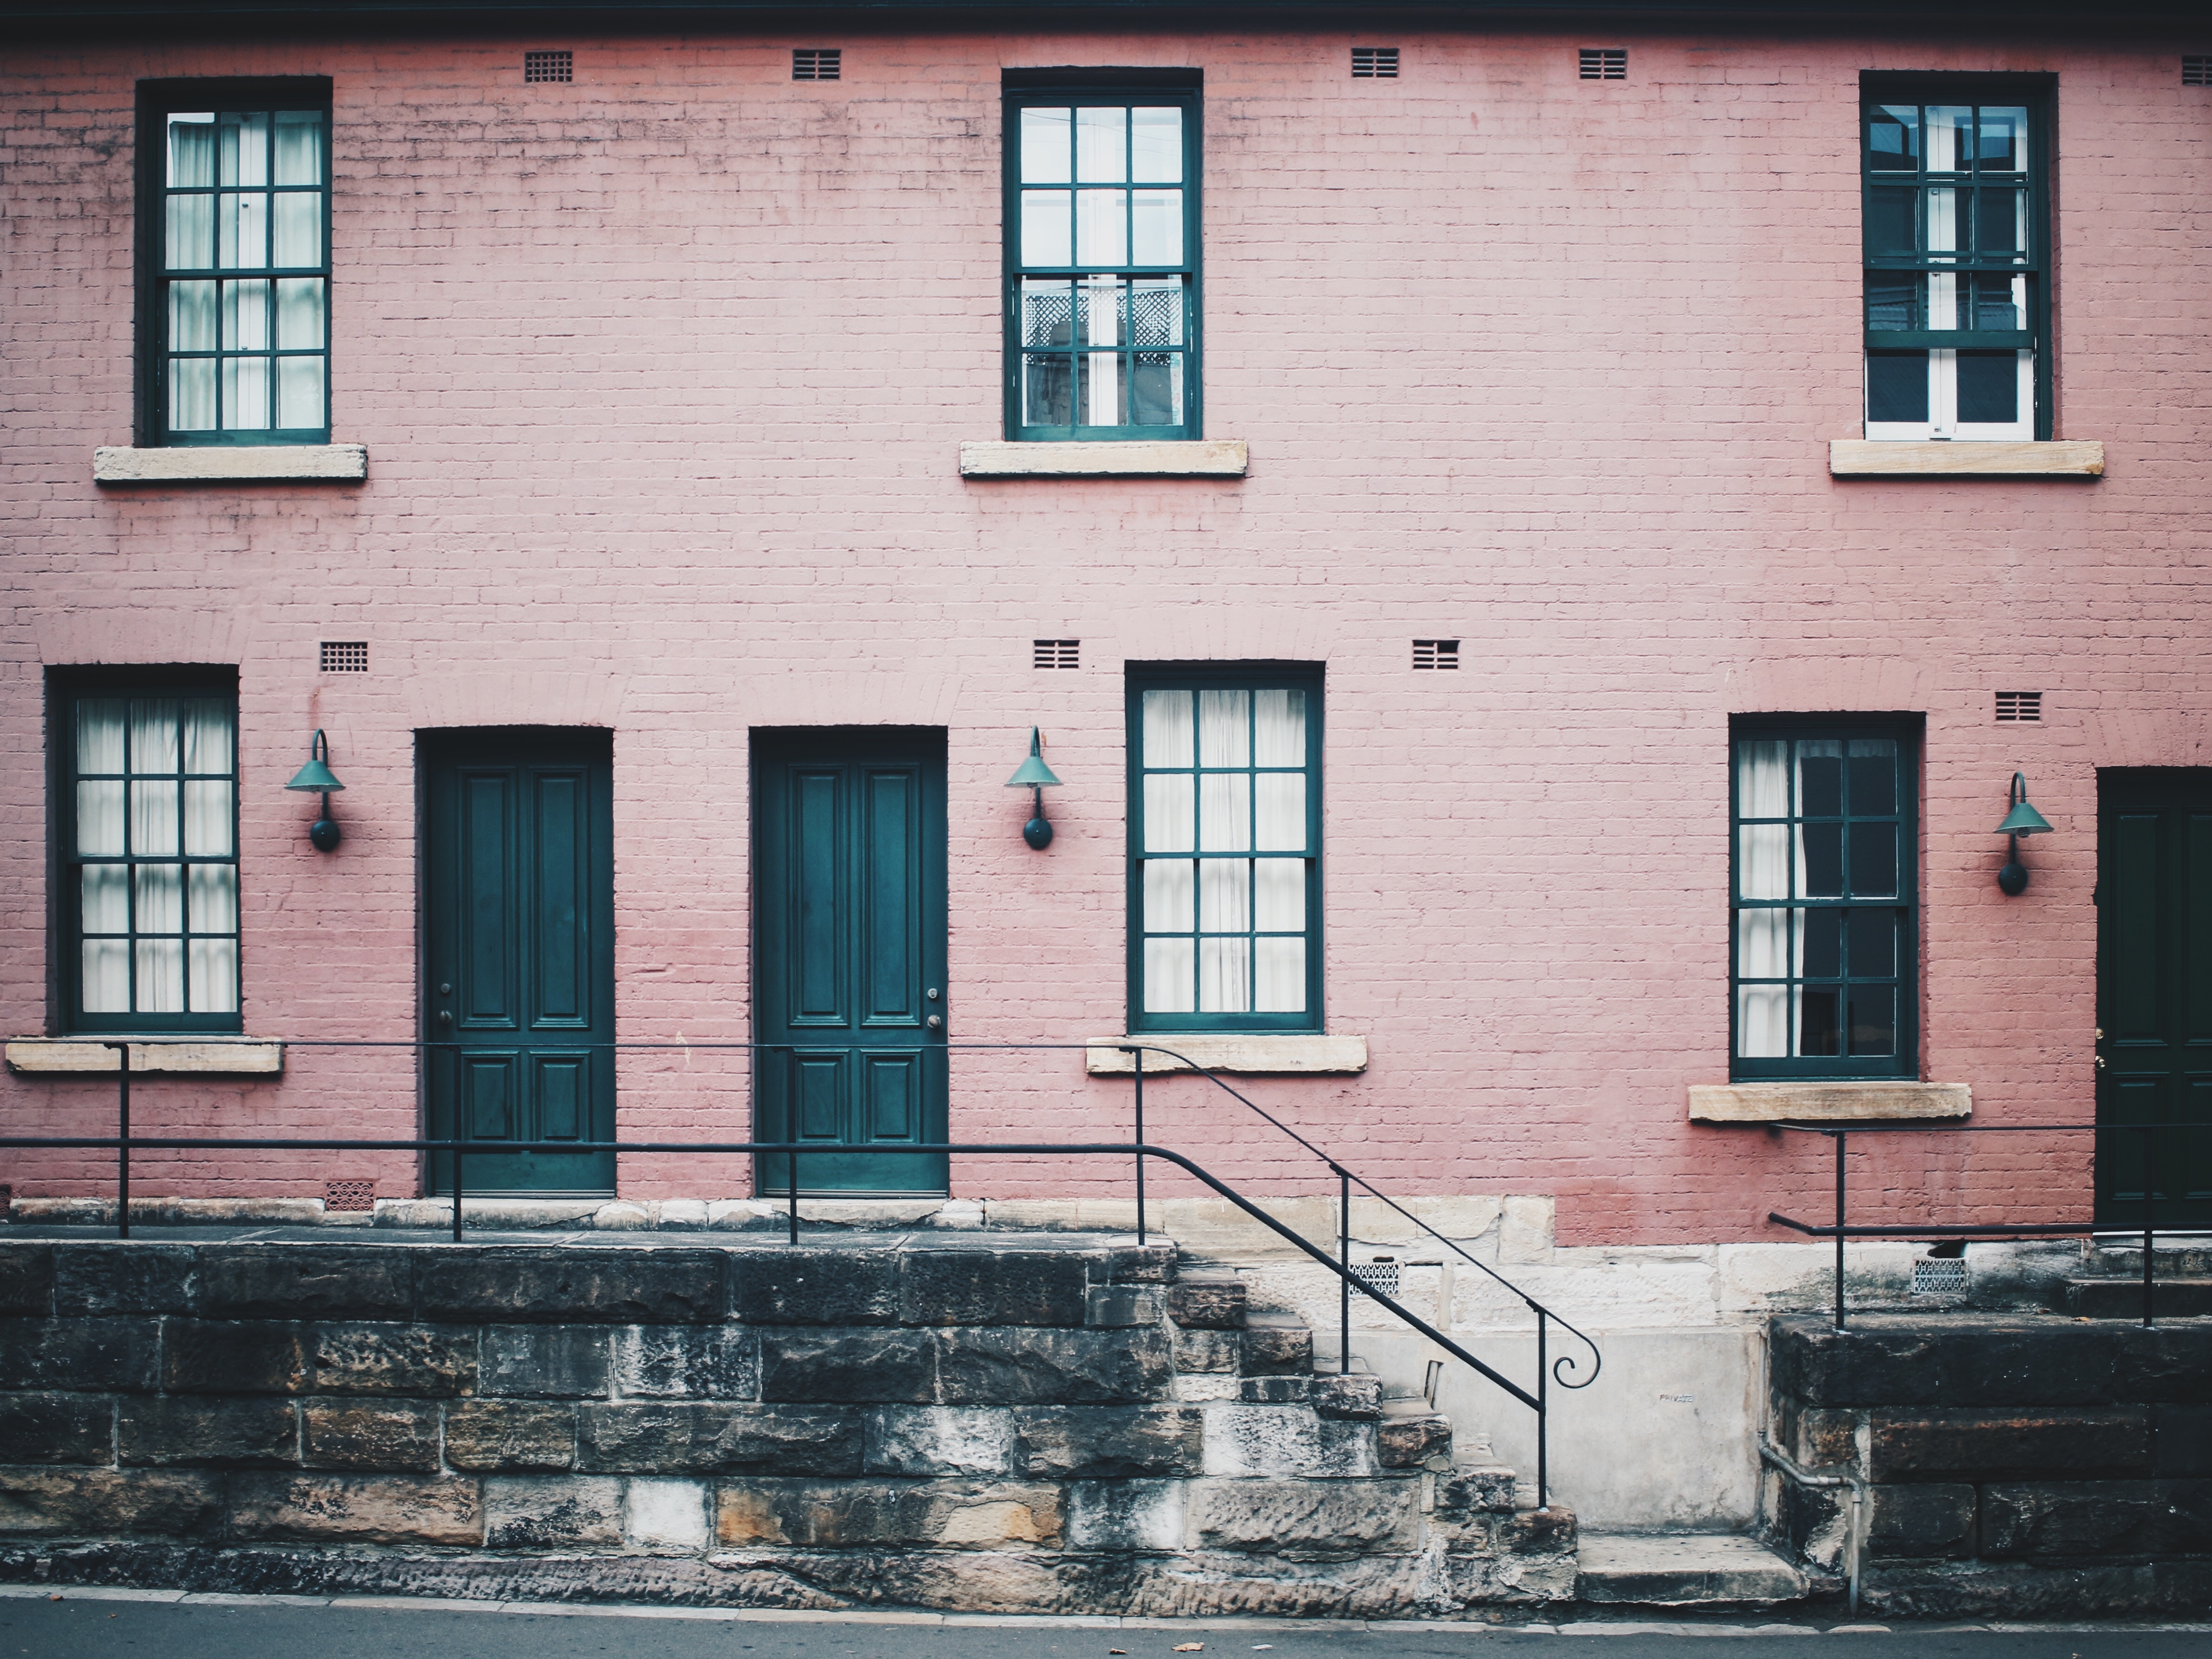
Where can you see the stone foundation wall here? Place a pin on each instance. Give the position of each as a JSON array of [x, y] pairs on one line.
[[1062, 1426], [2008, 1464]]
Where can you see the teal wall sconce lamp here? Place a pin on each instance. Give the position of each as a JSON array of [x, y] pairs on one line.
[[1034, 775], [317, 778], [2021, 820]]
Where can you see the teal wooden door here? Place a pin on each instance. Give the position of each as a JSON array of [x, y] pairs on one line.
[[849, 996], [2155, 993], [518, 979]]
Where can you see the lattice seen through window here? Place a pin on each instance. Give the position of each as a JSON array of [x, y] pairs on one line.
[[345, 656], [2020, 706], [1374, 63], [2196, 71], [1056, 654], [817, 64], [1604, 62], [548, 66], [1436, 653]]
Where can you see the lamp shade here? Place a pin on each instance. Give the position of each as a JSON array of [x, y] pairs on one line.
[[1033, 773], [2024, 820], [316, 775]]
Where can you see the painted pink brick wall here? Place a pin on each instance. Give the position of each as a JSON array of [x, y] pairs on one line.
[[662, 374]]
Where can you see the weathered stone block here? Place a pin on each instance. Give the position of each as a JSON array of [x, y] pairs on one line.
[[702, 1438], [1295, 1517], [2168, 1363], [56, 1428], [1474, 1489], [510, 1434], [1821, 1436], [807, 1286], [1208, 1351], [293, 1281], [874, 1366], [97, 1503], [978, 1286], [87, 1354], [434, 1360], [92, 1280], [626, 1286], [397, 1435], [1214, 1302], [668, 1515], [1352, 1398], [2034, 1363], [556, 1512], [557, 1362], [227, 1357], [2063, 1520], [1919, 1522], [1127, 1515], [1408, 1442], [2184, 1441], [1997, 1444], [1278, 1350], [1546, 1532], [1869, 1365], [844, 1515], [1118, 1306], [1284, 1441], [1138, 1264], [1038, 1367], [1060, 1442], [1808, 1524], [363, 1509], [938, 1440], [682, 1362], [237, 1434], [27, 1279]]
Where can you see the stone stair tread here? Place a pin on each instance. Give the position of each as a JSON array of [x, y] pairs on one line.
[[1647, 1569], [2122, 1298]]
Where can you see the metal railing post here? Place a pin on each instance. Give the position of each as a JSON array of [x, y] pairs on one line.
[[2149, 1270], [1840, 1138], [457, 1186], [122, 1137], [1543, 1413], [1344, 1279], [1137, 1074], [791, 1191]]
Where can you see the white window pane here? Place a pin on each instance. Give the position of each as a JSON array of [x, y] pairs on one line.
[[1279, 976], [154, 734], [1169, 825], [1943, 297], [1942, 230], [1168, 895], [1950, 138], [159, 889], [192, 317], [192, 148], [1045, 234], [214, 890], [1279, 721], [241, 230], [245, 316], [1280, 812], [299, 313], [1762, 1021], [1045, 147], [160, 976], [299, 228], [1224, 896], [1102, 146], [245, 394], [299, 391], [106, 976], [208, 816], [1763, 861], [1224, 728], [191, 232], [99, 818], [1156, 226], [1762, 944], [1155, 143], [1224, 975], [153, 815], [2004, 139], [1167, 728], [1101, 228], [106, 906], [1169, 976], [215, 976], [1762, 780], [191, 395], [1224, 811], [99, 734], [242, 148], [298, 147], [1101, 395], [206, 723], [1278, 895]]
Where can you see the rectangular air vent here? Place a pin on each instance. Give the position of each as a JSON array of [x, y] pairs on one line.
[[548, 66], [1056, 654], [354, 1195], [1436, 653], [2196, 71], [346, 656], [1374, 63], [1605, 63], [1380, 1274], [1939, 1275], [2020, 705], [817, 64]]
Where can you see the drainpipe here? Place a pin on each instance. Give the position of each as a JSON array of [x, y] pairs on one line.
[[1857, 1532]]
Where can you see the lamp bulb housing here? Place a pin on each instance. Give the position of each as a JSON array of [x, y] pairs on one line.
[[1038, 833], [324, 835], [2013, 879]]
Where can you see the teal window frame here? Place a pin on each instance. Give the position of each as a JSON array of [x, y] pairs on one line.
[[1829, 940], [1138, 312], [1252, 676], [66, 692], [228, 319], [1898, 335]]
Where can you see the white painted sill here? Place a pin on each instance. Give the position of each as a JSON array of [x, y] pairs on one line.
[[1204, 458], [1900, 458], [1273, 1054], [1827, 1102], [152, 1057], [229, 463]]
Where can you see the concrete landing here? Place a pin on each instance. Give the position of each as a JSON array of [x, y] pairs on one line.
[[1699, 1569]]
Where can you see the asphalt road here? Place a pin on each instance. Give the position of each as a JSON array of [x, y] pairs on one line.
[[96, 1624]]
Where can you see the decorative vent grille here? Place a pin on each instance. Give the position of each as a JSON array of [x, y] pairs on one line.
[[548, 66], [1939, 1276], [354, 1195], [2196, 71], [7, 1197], [1605, 63], [1436, 653], [1374, 63], [817, 64], [2020, 705], [346, 656], [1380, 1274], [1056, 654]]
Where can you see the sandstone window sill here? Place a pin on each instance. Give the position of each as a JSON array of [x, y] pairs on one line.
[[1871, 457], [1827, 1102], [225, 463], [1207, 457], [1273, 1055], [154, 1057]]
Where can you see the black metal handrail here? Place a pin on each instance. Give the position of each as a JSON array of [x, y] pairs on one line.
[[1839, 1230]]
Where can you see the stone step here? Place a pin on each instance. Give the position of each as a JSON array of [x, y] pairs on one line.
[[2175, 1261], [2123, 1298], [1692, 1570]]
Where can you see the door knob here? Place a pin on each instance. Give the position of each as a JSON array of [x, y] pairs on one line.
[[934, 1023], [932, 993], [445, 1017]]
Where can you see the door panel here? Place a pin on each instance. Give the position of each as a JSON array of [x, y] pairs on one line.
[[849, 838], [2154, 995], [519, 973]]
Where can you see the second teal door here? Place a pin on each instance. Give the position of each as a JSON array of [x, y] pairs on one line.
[[850, 1002]]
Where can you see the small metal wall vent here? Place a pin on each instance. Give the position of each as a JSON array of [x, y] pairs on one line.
[[1374, 63], [2024, 706], [1380, 1274], [2196, 71], [345, 656], [353, 1195], [1604, 62], [1056, 654], [817, 64], [548, 66], [1939, 1276], [1436, 653]]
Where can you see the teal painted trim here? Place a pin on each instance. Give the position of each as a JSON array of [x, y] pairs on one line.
[[1937, 339]]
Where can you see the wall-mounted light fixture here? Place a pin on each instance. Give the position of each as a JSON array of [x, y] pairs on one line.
[[1034, 775], [2021, 820], [317, 778]]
